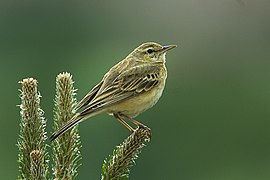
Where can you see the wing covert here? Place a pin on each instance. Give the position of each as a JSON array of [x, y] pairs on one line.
[[131, 82]]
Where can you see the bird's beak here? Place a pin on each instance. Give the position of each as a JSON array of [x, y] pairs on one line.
[[167, 48]]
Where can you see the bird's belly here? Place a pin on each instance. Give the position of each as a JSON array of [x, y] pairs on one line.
[[136, 105]]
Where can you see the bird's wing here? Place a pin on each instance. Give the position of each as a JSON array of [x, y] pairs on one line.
[[131, 82], [89, 96]]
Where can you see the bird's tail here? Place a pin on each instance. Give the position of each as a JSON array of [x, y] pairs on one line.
[[71, 123]]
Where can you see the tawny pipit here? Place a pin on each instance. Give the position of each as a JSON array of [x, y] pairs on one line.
[[130, 87]]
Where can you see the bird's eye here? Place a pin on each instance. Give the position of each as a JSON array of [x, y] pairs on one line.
[[149, 51]]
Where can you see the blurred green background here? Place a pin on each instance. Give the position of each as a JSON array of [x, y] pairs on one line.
[[213, 120]]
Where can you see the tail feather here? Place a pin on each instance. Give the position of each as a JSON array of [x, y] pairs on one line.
[[71, 123]]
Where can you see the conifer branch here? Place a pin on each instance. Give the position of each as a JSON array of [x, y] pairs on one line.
[[116, 166], [66, 147], [32, 134]]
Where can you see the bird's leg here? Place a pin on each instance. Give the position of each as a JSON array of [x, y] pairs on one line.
[[133, 120], [123, 122]]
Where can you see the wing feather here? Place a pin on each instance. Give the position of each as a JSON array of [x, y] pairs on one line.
[[129, 83], [89, 97]]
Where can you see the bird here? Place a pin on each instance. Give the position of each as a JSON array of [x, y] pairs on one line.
[[130, 87]]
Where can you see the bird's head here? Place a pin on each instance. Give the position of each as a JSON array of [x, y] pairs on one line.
[[151, 52]]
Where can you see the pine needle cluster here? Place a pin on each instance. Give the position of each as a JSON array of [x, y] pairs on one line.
[[117, 165], [32, 165], [33, 157], [66, 148]]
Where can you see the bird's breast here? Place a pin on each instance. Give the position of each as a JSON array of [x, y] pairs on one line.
[[138, 104]]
